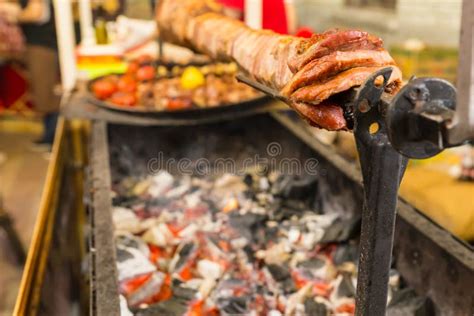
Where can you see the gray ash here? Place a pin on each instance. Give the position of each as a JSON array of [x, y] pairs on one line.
[[253, 244]]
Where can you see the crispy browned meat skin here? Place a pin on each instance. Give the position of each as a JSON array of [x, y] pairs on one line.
[[327, 115], [318, 92], [306, 71], [214, 34], [323, 44], [322, 68]]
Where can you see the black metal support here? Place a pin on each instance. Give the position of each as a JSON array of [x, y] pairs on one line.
[[388, 130], [382, 170]]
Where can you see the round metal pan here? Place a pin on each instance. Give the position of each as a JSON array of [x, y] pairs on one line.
[[196, 112]]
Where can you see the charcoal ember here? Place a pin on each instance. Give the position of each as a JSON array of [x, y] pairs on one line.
[[248, 180], [215, 245], [161, 183], [156, 203], [250, 195], [233, 305], [206, 287], [141, 187], [147, 290], [281, 274], [184, 253], [296, 187], [159, 235], [318, 268], [342, 230], [182, 293], [173, 306], [407, 303], [132, 262], [123, 255], [212, 206], [179, 191], [345, 287], [263, 199], [242, 245], [229, 184], [293, 207], [348, 252], [230, 286], [130, 241], [124, 219], [270, 234], [313, 308], [250, 252], [209, 269], [189, 231], [264, 184], [124, 200], [296, 299], [178, 304], [248, 224], [247, 221], [284, 210], [315, 263], [124, 188], [276, 254], [124, 310]]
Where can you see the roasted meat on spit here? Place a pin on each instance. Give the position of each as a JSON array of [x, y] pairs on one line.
[[306, 72]]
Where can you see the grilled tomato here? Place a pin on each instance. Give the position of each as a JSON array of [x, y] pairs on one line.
[[104, 88], [176, 104], [133, 67], [127, 84], [123, 99], [146, 73]]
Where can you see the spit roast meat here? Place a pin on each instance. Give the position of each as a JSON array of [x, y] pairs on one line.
[[308, 72]]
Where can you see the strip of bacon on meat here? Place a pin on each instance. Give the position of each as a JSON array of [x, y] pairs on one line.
[[309, 73]]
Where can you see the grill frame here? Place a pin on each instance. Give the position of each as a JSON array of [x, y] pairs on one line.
[[417, 238]]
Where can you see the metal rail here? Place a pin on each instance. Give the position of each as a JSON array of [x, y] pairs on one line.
[[27, 302]]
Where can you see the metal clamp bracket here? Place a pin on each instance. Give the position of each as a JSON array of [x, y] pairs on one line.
[[382, 170]]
